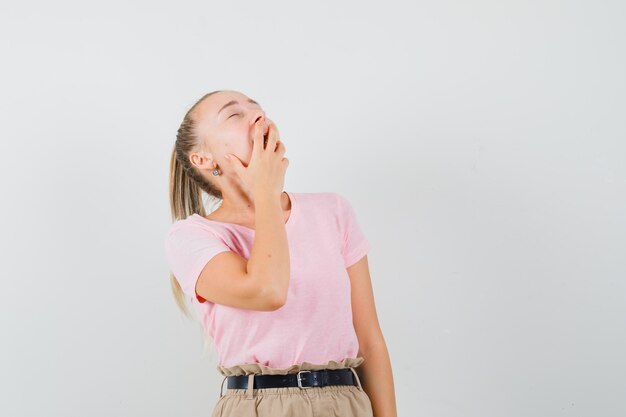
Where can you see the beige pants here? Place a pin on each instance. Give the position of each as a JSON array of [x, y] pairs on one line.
[[330, 400]]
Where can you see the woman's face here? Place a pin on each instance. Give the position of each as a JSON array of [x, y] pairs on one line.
[[225, 123]]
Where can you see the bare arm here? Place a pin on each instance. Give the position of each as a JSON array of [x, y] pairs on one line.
[[269, 257], [375, 373], [262, 281]]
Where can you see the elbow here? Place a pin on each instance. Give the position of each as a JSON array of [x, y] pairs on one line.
[[271, 298], [277, 301]]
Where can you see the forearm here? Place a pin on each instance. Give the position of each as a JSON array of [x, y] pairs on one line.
[[269, 257], [377, 379]]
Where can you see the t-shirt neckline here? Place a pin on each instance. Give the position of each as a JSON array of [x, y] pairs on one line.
[[288, 223]]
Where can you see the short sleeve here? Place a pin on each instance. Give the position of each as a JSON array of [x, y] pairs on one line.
[[355, 244], [188, 248]]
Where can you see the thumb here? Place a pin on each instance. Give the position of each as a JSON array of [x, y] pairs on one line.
[[233, 161]]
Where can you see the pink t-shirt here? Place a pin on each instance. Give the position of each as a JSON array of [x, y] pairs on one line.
[[315, 324]]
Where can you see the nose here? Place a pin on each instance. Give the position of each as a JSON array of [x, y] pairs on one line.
[[256, 115]]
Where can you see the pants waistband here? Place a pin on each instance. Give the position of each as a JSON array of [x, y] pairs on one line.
[[304, 379]]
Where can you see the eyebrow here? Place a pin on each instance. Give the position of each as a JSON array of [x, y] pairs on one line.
[[230, 103]]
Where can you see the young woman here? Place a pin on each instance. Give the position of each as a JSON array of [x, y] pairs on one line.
[[279, 280]]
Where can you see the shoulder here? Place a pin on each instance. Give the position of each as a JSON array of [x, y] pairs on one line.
[[190, 229], [319, 200], [327, 208], [182, 225]]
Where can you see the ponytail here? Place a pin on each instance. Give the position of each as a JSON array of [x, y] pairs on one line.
[[187, 185]]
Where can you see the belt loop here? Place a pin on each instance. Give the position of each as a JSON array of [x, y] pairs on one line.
[[249, 391], [357, 378], [222, 387]]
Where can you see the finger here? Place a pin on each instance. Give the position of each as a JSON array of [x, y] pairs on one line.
[[235, 162], [280, 148], [257, 146], [272, 136]]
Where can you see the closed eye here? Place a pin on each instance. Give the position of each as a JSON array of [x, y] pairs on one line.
[[236, 114]]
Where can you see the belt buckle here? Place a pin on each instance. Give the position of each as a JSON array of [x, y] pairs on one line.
[[300, 380]]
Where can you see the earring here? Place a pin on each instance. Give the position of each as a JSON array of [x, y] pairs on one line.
[[216, 171]]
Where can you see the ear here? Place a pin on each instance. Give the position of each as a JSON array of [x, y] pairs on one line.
[[202, 160]]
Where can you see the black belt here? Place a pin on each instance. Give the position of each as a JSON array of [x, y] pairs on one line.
[[303, 379]]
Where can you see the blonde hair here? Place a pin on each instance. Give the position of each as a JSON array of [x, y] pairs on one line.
[[187, 184]]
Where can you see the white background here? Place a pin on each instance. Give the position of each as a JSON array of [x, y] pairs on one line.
[[481, 144]]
